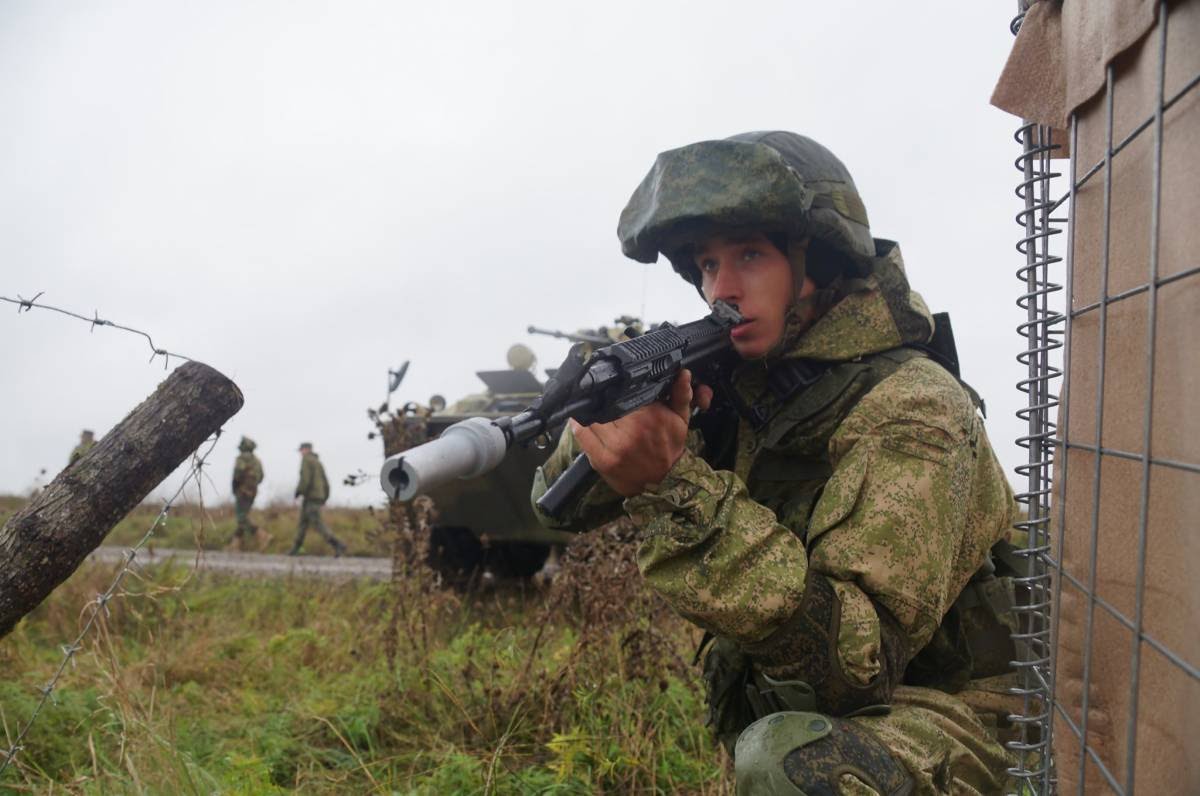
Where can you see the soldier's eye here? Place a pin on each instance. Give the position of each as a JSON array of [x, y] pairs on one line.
[[750, 254], [707, 266]]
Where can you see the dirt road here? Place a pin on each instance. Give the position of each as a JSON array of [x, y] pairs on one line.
[[252, 564]]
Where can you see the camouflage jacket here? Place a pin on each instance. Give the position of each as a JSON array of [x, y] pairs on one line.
[[247, 475], [313, 486], [855, 512]]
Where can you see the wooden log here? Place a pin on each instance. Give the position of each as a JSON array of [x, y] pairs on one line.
[[43, 543]]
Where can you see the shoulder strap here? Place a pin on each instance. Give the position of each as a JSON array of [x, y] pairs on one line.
[[824, 384], [942, 350]]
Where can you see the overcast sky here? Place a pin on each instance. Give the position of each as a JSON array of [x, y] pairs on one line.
[[305, 194]]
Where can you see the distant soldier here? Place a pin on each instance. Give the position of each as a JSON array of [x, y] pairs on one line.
[[247, 475], [314, 489], [87, 441]]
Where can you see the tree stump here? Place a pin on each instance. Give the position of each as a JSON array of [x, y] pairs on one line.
[[43, 543]]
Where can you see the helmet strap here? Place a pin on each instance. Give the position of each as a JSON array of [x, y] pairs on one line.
[[797, 254]]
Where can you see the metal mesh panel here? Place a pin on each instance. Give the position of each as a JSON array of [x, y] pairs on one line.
[[1042, 330], [1071, 516]]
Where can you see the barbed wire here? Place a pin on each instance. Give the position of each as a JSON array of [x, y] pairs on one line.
[[101, 601], [24, 305]]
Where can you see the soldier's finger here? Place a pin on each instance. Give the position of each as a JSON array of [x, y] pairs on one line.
[[628, 431], [702, 396], [613, 444], [628, 435], [598, 455], [668, 429], [594, 432], [681, 394], [587, 439]]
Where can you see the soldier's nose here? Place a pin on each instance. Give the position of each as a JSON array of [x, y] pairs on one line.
[[727, 286]]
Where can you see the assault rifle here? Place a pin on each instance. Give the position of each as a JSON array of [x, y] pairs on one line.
[[610, 383]]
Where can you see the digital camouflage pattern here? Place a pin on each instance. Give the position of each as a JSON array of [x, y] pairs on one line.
[[775, 181], [878, 478]]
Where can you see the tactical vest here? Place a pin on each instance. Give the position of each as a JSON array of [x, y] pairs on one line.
[[773, 430]]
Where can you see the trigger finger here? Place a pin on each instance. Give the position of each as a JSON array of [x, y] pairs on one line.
[[587, 438], [681, 394]]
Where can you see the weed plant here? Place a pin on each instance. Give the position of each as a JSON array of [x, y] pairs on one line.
[[198, 683]]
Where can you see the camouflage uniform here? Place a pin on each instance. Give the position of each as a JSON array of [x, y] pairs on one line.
[[87, 441], [833, 539], [314, 489], [247, 475]]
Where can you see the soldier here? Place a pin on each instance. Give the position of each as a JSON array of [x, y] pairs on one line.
[[828, 518], [314, 490], [247, 475], [87, 441]]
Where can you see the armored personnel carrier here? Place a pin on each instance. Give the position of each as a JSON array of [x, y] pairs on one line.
[[486, 525]]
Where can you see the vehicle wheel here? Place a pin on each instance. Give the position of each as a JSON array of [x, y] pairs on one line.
[[455, 553], [516, 559]]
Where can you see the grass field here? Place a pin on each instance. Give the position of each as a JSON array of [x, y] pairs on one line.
[[203, 684], [212, 527]]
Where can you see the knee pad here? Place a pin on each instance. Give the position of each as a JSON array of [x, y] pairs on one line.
[[807, 754]]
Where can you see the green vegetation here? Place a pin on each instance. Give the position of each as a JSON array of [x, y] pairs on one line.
[[211, 527], [202, 684]]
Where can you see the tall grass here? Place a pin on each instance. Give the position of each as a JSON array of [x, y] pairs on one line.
[[201, 684], [211, 527]]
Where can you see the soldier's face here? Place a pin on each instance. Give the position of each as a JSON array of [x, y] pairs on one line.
[[749, 271]]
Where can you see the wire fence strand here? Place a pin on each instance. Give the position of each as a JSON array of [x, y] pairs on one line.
[[100, 604], [24, 305]]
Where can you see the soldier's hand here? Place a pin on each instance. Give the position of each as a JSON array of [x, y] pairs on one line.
[[640, 448]]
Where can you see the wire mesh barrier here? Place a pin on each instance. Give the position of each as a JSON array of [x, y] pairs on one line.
[[1107, 651], [99, 606], [1042, 330]]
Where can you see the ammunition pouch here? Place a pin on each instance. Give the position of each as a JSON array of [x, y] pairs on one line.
[[728, 677], [974, 639], [805, 648], [738, 695], [796, 668]]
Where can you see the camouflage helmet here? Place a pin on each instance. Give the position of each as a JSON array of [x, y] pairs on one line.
[[246, 444], [777, 182]]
